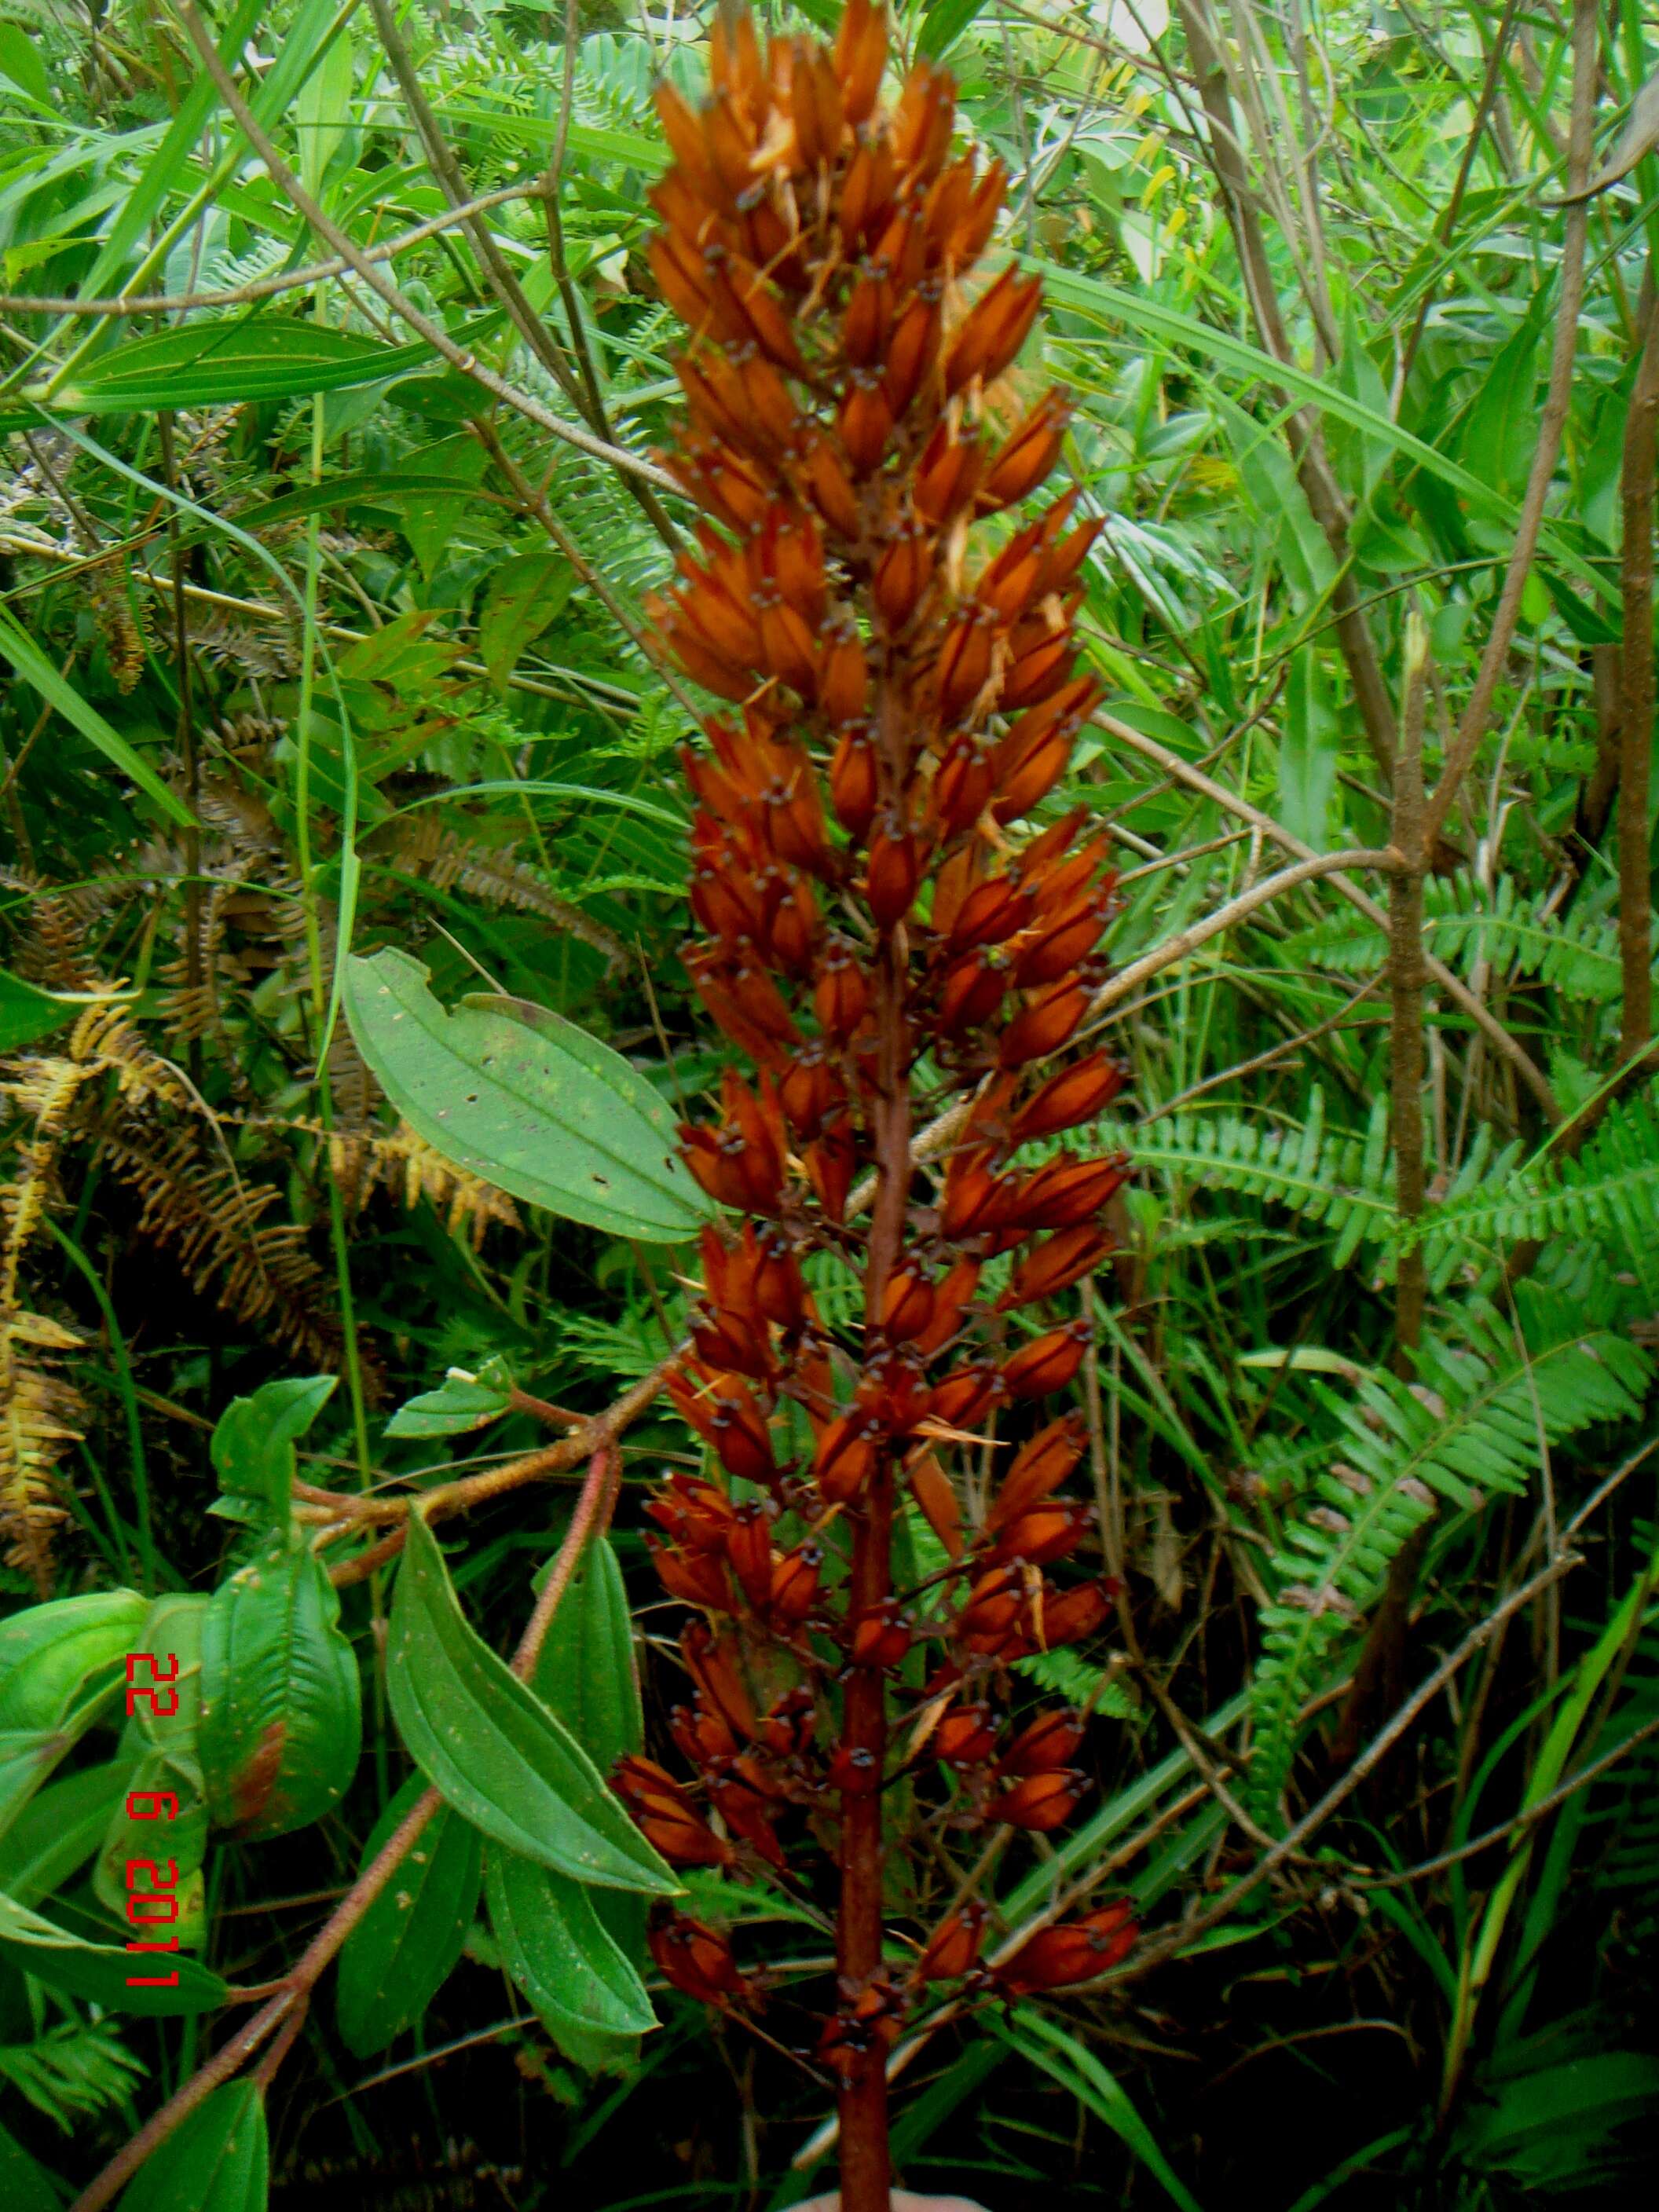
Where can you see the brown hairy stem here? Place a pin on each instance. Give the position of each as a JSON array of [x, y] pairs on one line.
[[1637, 693], [1476, 717]]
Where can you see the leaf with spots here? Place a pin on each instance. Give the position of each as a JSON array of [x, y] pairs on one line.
[[401, 1953], [560, 1953], [491, 1745], [280, 1720], [525, 1100]]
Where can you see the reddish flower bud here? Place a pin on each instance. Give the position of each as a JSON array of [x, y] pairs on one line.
[[842, 997], [904, 571], [1043, 1024], [951, 1299], [810, 1090], [1036, 671], [815, 103], [994, 331], [1052, 1739], [824, 479], [861, 58], [787, 1728], [932, 1490], [869, 317], [1064, 943], [966, 1395], [1028, 455], [991, 913], [867, 193], [906, 1304], [971, 992], [965, 1737], [1070, 1615], [878, 1638], [853, 785], [749, 1548], [697, 1960], [893, 873], [1045, 1533], [1067, 1191], [1037, 1469], [991, 1610], [845, 1458], [1048, 1365], [795, 1579], [780, 1292], [788, 647], [962, 788], [964, 661], [695, 1577], [831, 1163], [913, 352], [843, 683], [712, 1663], [954, 1946], [947, 475], [1054, 1266], [1076, 1095], [726, 1345], [664, 1815], [865, 421], [976, 1201], [791, 935], [1074, 1951], [744, 1812], [1041, 1802]]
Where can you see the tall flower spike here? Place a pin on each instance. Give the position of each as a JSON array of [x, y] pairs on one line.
[[865, 893]]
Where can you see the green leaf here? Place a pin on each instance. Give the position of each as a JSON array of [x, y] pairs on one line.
[[525, 1099], [33, 666], [491, 1745], [559, 1952], [62, 1666], [219, 2160], [58, 1831], [401, 1953], [1311, 752], [27, 1013], [585, 1672], [1046, 2045], [252, 1446], [322, 112], [525, 594], [100, 1971], [21, 61], [25, 2185], [943, 24], [461, 1404], [282, 1724], [1501, 429], [161, 1749], [223, 360], [429, 518]]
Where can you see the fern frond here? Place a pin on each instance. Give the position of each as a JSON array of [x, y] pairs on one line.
[[41, 1415], [1340, 1178], [1576, 954], [77, 2068], [497, 877], [1473, 1422]]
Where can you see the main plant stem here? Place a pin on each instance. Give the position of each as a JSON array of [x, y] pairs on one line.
[[865, 2169]]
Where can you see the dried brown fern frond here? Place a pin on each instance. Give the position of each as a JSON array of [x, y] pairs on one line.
[[49, 938], [404, 1164], [493, 875], [41, 1415], [122, 623], [261, 649], [214, 1222]]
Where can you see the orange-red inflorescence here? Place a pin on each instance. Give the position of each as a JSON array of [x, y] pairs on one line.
[[875, 919]]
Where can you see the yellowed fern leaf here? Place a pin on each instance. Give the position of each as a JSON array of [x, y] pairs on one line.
[[41, 1415]]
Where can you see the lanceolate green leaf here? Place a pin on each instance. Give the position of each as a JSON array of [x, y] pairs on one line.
[[59, 1830], [525, 1099], [559, 1952], [62, 1668], [218, 2161], [491, 1745], [401, 1951], [219, 362], [586, 1673], [36, 670], [281, 1723], [100, 1971]]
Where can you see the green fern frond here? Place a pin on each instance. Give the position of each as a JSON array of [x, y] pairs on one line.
[[1576, 954], [1473, 1422], [1610, 1192], [1340, 1178]]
